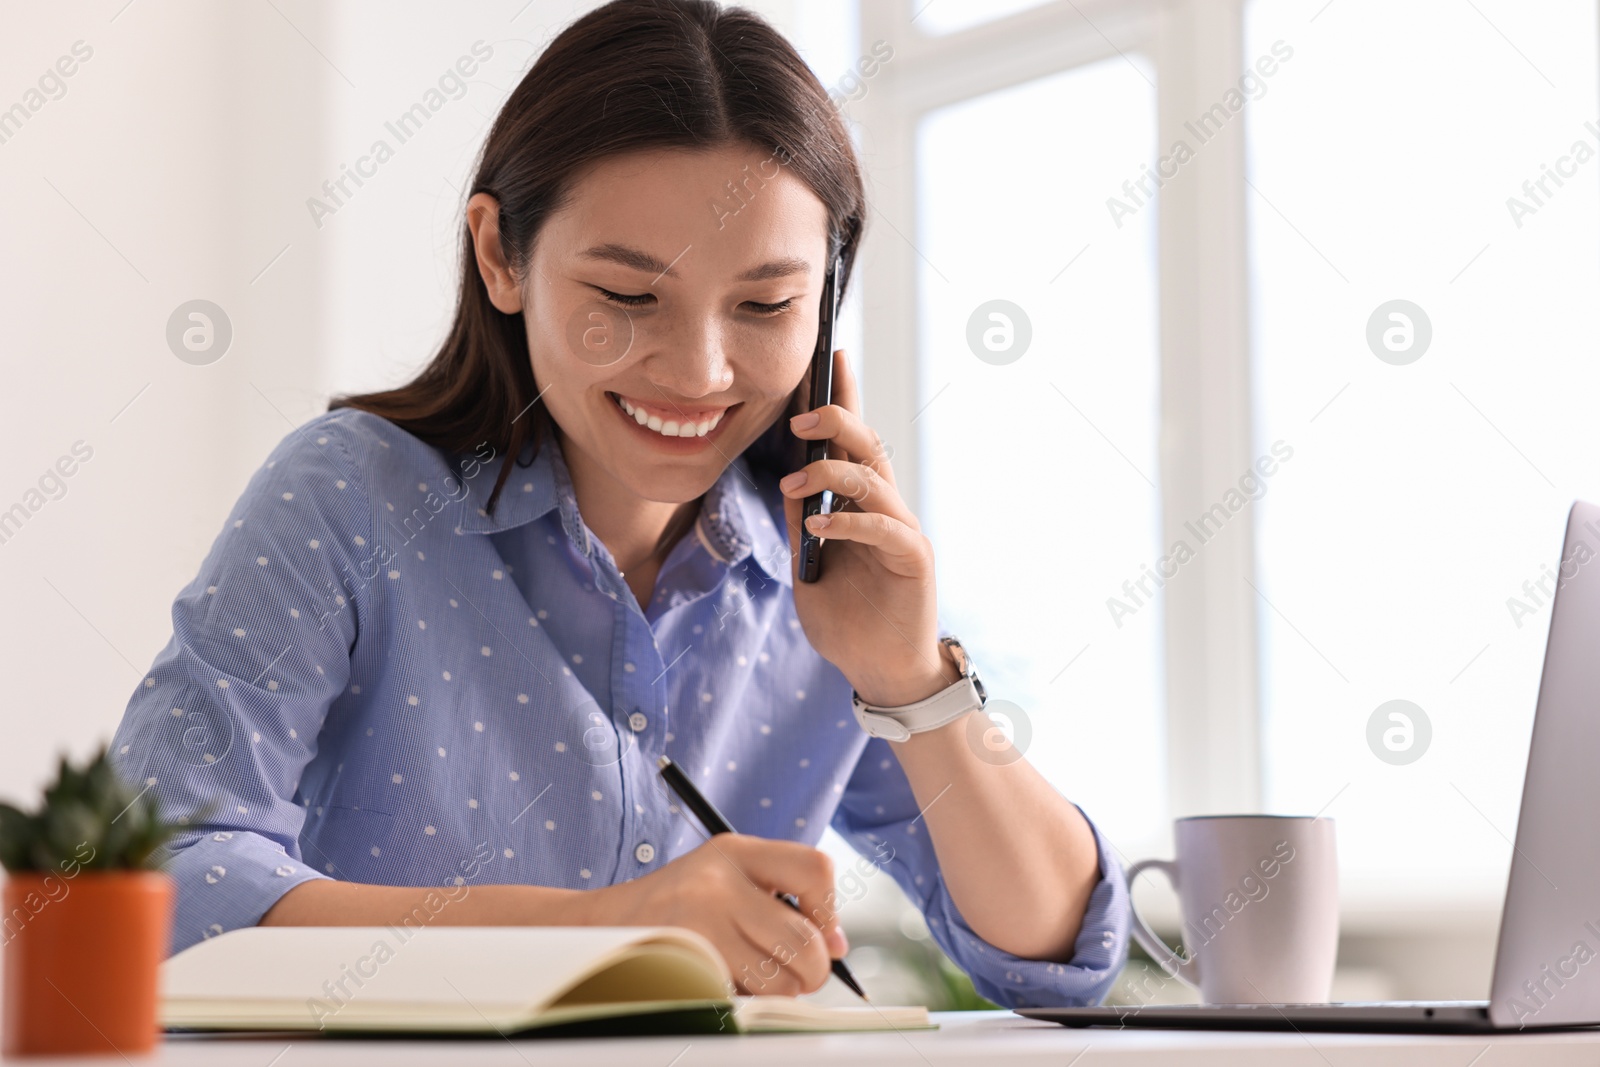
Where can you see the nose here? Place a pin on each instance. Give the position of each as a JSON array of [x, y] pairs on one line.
[[691, 359]]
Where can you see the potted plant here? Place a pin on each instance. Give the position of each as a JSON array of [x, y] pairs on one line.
[[86, 916]]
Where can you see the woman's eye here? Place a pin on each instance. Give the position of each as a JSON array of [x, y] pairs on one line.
[[629, 300], [634, 300]]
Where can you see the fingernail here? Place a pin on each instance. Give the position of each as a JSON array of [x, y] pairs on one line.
[[805, 421], [819, 522], [838, 944], [793, 481]]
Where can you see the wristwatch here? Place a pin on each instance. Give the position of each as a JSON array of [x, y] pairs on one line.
[[945, 706]]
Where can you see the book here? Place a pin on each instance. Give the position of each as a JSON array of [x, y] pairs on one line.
[[482, 979]]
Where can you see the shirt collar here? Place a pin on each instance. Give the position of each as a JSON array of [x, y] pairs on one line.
[[736, 522], [529, 493]]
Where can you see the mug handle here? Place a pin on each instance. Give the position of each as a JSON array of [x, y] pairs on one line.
[[1185, 970]]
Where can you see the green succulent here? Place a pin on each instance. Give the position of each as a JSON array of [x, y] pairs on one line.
[[89, 817]]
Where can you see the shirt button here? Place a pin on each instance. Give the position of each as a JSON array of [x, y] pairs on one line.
[[638, 721], [645, 852]]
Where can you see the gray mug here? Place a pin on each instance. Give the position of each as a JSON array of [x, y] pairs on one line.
[[1259, 896]]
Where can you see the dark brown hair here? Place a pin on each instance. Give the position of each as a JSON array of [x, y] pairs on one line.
[[631, 75]]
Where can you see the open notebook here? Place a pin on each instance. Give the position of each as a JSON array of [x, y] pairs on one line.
[[487, 979]]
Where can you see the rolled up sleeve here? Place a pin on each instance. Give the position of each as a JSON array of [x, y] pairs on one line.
[[878, 815], [229, 715]]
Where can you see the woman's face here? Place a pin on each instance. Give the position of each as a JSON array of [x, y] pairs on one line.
[[671, 314]]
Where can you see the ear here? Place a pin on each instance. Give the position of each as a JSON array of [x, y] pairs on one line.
[[483, 219]]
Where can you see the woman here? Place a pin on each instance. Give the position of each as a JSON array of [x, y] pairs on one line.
[[428, 667]]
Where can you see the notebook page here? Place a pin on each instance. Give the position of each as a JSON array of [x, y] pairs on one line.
[[495, 970]]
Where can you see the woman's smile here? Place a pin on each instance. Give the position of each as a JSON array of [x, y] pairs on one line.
[[677, 428]]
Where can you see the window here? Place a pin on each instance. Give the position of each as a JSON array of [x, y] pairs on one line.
[[1014, 328], [1038, 416], [1340, 157], [947, 16], [1446, 478]]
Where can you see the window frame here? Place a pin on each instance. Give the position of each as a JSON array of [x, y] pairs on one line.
[[1212, 713]]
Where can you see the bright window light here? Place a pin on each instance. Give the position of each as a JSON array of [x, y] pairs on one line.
[[1400, 553], [948, 16], [1040, 464]]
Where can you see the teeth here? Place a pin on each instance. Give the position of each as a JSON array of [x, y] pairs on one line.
[[670, 427]]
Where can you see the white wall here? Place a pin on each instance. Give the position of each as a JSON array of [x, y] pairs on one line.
[[168, 170]]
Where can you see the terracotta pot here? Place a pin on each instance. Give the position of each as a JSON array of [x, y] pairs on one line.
[[82, 960]]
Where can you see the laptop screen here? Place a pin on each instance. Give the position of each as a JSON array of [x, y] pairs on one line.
[[1547, 966]]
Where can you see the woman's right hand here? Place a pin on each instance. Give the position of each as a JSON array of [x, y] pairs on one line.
[[725, 890]]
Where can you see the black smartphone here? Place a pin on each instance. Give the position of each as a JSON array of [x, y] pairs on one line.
[[821, 396]]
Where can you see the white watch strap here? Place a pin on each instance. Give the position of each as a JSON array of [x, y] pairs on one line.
[[898, 724]]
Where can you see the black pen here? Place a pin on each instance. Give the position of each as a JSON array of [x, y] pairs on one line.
[[715, 824]]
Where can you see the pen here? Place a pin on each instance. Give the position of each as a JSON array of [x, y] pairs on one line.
[[715, 824]]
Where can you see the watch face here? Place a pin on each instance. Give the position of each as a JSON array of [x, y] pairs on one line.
[[964, 664], [958, 653]]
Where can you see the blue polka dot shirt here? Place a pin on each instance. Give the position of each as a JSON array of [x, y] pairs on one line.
[[374, 679]]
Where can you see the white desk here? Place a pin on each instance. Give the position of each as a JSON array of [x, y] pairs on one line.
[[989, 1039]]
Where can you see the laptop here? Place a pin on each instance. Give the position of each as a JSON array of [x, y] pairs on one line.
[[1547, 963]]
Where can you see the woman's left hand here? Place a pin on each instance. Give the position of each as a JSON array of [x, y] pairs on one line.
[[873, 613]]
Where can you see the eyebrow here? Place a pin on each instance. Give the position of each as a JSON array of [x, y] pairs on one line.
[[644, 261]]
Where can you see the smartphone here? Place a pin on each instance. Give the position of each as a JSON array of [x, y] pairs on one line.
[[821, 396]]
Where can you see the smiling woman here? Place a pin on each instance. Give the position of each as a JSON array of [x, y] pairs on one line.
[[626, 365], [591, 162], [722, 321]]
